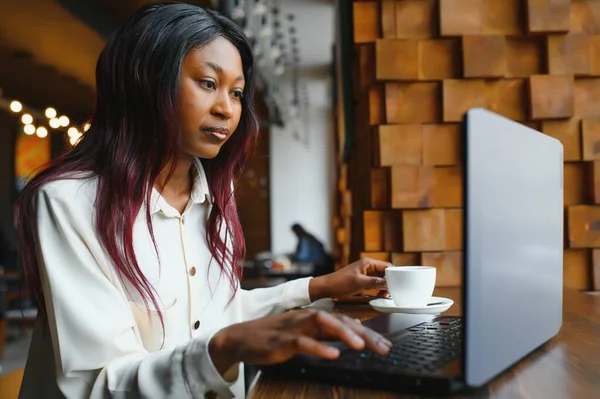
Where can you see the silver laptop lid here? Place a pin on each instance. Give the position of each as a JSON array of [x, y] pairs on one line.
[[513, 243]]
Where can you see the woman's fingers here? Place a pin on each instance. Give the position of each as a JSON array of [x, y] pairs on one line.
[[373, 340], [309, 346], [333, 326], [374, 267]]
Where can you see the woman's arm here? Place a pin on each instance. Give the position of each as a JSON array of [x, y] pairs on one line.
[[97, 353]]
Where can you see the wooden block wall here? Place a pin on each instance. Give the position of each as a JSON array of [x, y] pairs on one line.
[[419, 65]]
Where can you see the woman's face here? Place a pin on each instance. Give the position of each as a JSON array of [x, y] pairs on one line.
[[211, 89]]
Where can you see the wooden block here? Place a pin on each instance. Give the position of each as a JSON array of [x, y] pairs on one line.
[[448, 187], [405, 259], [380, 188], [461, 95], [412, 186], [596, 270], [590, 139], [432, 230], [535, 125], [548, 15], [388, 19], [508, 97], [583, 223], [569, 54], [577, 269], [461, 17], [382, 256], [569, 134], [574, 190], [376, 105], [503, 17], [397, 59], [449, 267], [594, 41], [382, 231], [454, 229], [366, 65], [439, 59], [585, 16], [398, 145], [412, 102], [442, 144], [551, 96], [484, 56], [366, 21], [525, 56], [416, 19], [593, 182], [587, 98]]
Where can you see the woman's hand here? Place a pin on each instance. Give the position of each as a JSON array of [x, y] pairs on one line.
[[274, 339], [352, 279]]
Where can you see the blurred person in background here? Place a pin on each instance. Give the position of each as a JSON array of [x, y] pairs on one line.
[[131, 240], [310, 250]]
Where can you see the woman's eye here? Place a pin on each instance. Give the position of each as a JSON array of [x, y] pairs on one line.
[[238, 93], [209, 84]]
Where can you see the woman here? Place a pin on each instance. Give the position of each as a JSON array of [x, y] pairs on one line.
[[132, 241]]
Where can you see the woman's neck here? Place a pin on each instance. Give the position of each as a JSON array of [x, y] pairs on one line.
[[178, 188]]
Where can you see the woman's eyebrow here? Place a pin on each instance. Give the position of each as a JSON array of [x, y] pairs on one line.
[[218, 69]]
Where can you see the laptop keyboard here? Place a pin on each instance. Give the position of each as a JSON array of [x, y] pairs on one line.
[[427, 348]]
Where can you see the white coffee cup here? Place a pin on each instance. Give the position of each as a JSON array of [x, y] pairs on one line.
[[410, 286]]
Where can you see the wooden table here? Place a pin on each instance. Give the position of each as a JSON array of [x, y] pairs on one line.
[[566, 367]]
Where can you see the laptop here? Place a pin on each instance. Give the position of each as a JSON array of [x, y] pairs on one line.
[[513, 276]]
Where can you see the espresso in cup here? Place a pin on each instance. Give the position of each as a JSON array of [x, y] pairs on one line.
[[410, 286]]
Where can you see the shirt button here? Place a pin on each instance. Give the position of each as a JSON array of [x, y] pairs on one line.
[[196, 324], [183, 220], [192, 271]]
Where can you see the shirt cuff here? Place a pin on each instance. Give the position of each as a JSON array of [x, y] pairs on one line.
[[296, 293], [200, 372]]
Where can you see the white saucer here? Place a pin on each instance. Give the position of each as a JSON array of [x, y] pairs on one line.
[[385, 305]]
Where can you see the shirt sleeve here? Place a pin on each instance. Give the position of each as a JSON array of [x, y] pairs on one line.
[[261, 302], [96, 350]]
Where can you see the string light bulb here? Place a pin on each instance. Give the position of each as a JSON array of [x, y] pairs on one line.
[[41, 132], [29, 129], [16, 106], [86, 127], [50, 113], [27, 119], [54, 123], [64, 121]]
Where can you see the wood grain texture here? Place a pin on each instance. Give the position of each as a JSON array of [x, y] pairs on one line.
[[577, 269], [376, 105], [380, 188], [548, 16], [366, 21], [484, 56], [398, 145], [508, 97], [592, 182], [442, 144], [461, 17], [439, 59], [566, 367], [432, 230], [585, 16], [416, 19], [448, 187], [575, 184], [397, 59], [525, 56], [590, 139], [587, 98], [569, 54], [405, 259], [568, 132], [412, 102], [551, 96], [388, 19], [596, 269], [449, 267], [461, 95], [503, 17], [583, 226], [412, 186]]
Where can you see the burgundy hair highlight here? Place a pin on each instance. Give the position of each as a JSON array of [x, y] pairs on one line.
[[134, 135]]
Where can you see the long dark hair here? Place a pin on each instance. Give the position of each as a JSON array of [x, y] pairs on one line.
[[135, 134]]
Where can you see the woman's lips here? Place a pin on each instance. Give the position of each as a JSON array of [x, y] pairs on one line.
[[218, 133]]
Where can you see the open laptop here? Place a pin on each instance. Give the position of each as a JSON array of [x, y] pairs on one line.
[[513, 275]]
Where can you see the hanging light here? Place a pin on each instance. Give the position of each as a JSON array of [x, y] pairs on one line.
[[64, 121], [50, 113], [54, 123], [29, 129], [72, 132], [86, 127], [16, 106], [27, 119], [41, 132]]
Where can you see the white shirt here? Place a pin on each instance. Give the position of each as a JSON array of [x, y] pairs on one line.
[[100, 341]]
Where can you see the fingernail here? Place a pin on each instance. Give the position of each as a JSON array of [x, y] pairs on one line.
[[384, 345], [358, 341]]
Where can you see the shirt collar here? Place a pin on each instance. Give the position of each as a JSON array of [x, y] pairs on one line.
[[200, 192]]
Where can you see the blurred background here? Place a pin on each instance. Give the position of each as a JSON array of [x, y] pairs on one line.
[[361, 135]]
